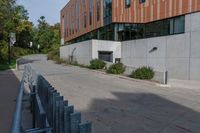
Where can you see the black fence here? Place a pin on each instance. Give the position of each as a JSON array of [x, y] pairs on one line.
[[50, 112]]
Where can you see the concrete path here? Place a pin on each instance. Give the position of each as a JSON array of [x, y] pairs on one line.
[[9, 85], [116, 105]]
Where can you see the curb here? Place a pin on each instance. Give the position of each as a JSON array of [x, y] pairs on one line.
[[132, 79]]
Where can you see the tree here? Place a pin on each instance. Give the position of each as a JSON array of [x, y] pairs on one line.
[[13, 18], [46, 36]]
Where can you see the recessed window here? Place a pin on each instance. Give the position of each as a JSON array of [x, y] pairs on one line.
[[107, 12], [127, 3], [98, 10], [85, 14], [179, 25], [90, 12], [142, 1]]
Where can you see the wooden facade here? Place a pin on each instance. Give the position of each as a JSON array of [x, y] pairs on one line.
[[70, 12], [150, 10]]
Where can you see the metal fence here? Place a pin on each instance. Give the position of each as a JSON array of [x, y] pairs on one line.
[[50, 112]]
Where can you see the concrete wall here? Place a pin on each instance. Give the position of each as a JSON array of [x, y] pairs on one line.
[[177, 54], [99, 45], [82, 52], [85, 51]]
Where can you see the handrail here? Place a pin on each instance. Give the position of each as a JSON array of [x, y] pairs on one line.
[[17, 119], [50, 112]]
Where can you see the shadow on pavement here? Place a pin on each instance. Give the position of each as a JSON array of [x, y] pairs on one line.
[[9, 86], [23, 61], [141, 113]]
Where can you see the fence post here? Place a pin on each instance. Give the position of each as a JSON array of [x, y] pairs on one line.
[[75, 120], [54, 111], [67, 111], [53, 92], [58, 100], [85, 128], [33, 94], [61, 112]]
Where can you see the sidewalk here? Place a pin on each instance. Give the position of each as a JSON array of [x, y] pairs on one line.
[[9, 85], [186, 84]]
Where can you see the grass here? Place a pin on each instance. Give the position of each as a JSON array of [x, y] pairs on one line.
[[6, 66]]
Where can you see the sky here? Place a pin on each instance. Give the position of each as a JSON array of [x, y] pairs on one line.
[[48, 8]]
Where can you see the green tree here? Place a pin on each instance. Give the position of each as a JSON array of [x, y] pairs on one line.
[[13, 18], [48, 37]]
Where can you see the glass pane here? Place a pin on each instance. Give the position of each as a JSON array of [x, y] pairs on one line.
[[179, 25]]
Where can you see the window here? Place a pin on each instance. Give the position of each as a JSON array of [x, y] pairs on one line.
[[77, 16], [65, 24], [85, 20], [142, 1], [127, 3], [107, 5], [90, 12], [179, 25], [85, 15], [98, 10], [105, 55], [123, 32]]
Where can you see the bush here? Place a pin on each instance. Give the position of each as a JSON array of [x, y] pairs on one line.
[[143, 73], [53, 55], [97, 64], [17, 52], [59, 60], [117, 68]]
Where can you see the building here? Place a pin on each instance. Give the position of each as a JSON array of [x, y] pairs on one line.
[[163, 34]]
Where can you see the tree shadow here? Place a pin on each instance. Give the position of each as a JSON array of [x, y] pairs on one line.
[[141, 113]]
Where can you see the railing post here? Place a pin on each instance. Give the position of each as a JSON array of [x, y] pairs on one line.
[[75, 120], [33, 98], [67, 111], [85, 128]]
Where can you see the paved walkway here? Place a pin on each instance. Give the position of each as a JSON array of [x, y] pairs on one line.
[[117, 105], [9, 85]]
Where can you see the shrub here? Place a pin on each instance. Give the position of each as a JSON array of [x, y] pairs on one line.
[[117, 68], [97, 64], [59, 60], [143, 73], [52, 55], [17, 52]]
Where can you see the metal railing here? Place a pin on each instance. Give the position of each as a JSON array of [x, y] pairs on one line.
[[50, 112]]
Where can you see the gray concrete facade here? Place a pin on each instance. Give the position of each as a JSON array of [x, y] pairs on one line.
[[177, 54], [84, 52]]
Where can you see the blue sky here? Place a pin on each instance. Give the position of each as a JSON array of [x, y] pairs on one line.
[[48, 8]]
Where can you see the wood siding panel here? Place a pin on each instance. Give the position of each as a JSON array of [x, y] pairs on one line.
[[151, 10]]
